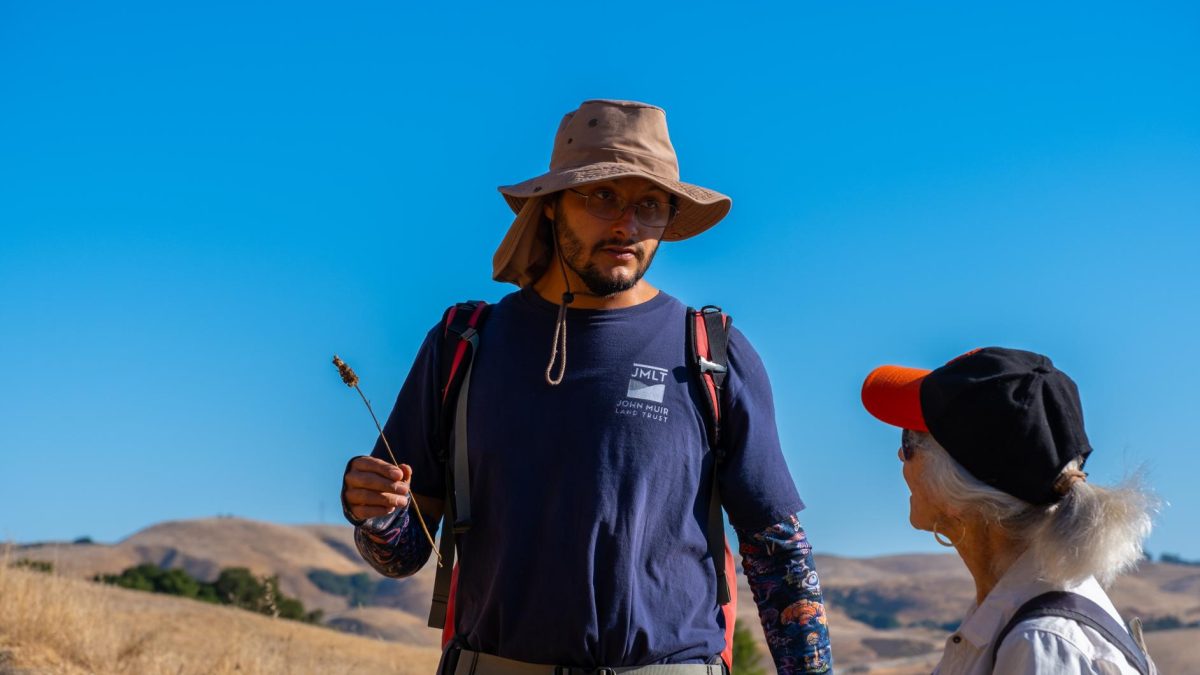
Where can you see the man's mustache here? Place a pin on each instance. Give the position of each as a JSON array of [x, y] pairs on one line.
[[630, 244]]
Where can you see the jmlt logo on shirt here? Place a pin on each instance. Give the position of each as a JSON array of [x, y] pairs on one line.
[[648, 383]]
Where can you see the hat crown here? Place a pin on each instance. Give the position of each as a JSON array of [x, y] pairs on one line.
[[617, 132], [1009, 417]]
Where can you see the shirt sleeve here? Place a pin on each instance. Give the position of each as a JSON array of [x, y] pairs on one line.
[[403, 551], [756, 488], [412, 427], [783, 580]]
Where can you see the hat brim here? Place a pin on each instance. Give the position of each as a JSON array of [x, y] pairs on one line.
[[893, 394]]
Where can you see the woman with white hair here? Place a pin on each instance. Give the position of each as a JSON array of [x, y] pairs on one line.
[[993, 449]]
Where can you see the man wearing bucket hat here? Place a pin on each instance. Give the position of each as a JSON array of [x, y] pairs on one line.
[[993, 449], [589, 463]]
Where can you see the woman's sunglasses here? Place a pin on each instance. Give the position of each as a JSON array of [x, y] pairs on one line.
[[908, 446]]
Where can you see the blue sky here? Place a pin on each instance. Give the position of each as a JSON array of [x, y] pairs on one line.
[[201, 202]]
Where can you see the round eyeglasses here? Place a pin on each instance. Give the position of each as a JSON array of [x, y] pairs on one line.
[[606, 205]]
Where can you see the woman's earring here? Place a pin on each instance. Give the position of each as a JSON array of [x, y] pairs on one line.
[[941, 538]]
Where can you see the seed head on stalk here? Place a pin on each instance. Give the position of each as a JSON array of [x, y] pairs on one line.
[[351, 380], [347, 373]]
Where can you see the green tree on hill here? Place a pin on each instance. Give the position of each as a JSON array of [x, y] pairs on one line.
[[237, 586], [177, 582], [747, 657]]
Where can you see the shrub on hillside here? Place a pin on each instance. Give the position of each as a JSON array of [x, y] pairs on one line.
[[35, 565], [235, 586], [147, 577], [357, 588]]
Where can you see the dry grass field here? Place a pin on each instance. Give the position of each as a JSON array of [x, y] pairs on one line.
[[62, 623], [55, 624]]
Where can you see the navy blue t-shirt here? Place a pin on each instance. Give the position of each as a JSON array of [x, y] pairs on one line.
[[589, 499]]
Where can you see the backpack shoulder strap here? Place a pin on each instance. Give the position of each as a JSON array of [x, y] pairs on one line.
[[1077, 608], [460, 326], [460, 342], [708, 355]]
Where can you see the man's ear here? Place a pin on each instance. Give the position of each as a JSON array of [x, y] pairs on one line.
[[548, 209]]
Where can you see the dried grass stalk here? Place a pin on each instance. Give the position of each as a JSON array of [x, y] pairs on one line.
[[351, 380]]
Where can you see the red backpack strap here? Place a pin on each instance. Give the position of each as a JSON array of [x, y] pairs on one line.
[[708, 352], [708, 331], [460, 342]]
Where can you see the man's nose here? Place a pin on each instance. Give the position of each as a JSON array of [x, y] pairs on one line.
[[627, 222]]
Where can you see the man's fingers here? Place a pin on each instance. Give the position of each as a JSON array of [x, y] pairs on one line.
[[378, 466], [374, 487], [373, 481], [356, 497]]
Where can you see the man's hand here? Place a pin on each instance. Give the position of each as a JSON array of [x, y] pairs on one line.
[[373, 487]]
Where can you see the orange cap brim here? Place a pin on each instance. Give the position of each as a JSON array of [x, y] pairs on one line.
[[893, 394]]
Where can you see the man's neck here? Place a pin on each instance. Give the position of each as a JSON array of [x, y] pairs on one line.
[[551, 287]]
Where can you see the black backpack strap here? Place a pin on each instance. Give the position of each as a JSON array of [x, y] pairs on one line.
[[708, 354], [1077, 608], [460, 342]]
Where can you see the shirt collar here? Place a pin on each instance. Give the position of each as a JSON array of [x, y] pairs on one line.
[[1019, 583]]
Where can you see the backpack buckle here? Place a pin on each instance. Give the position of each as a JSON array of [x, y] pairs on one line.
[[707, 366]]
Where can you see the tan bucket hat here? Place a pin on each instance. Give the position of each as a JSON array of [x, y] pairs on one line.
[[600, 141]]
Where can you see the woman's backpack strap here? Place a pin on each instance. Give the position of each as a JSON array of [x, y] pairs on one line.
[[1078, 608]]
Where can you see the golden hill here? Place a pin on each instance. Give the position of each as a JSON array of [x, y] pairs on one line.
[[204, 547]]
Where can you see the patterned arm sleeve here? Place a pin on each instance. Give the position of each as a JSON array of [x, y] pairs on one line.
[[404, 549], [779, 566]]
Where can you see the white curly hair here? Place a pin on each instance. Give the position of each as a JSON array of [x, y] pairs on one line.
[[1092, 531]]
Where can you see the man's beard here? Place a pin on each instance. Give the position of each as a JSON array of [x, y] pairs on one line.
[[571, 250]]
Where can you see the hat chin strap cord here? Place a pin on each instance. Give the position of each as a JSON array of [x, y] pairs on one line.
[[560, 323]]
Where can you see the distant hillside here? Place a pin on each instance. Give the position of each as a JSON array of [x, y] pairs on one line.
[[925, 596], [887, 615], [204, 547]]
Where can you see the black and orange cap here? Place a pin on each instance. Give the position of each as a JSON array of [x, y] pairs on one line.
[[1009, 417], [893, 394]]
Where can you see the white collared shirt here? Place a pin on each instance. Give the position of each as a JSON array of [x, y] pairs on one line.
[[1040, 646]]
